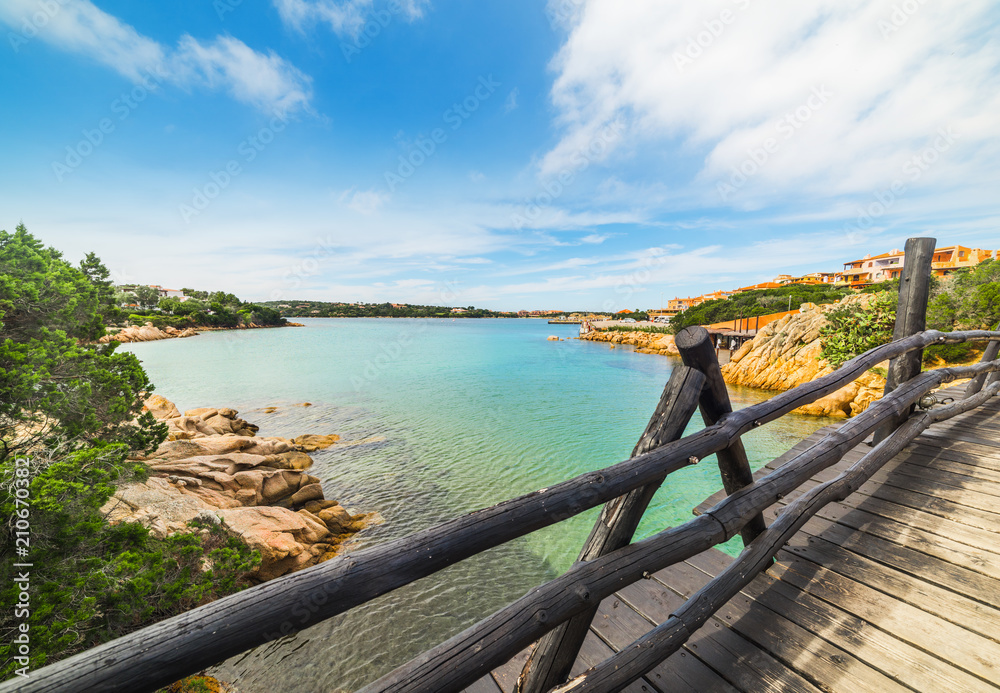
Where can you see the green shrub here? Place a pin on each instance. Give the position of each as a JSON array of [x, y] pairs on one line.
[[950, 353], [92, 581], [854, 330]]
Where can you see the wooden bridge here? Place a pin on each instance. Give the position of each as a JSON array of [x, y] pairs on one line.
[[893, 589], [872, 557]]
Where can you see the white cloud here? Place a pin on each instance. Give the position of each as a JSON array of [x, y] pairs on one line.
[[363, 201], [346, 18], [711, 82], [265, 81]]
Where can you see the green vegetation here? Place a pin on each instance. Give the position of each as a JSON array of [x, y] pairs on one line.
[[640, 328], [199, 309], [969, 299], [321, 309], [854, 330], [70, 415], [761, 302]]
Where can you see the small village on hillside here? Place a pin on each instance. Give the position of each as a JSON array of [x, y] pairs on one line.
[[857, 274]]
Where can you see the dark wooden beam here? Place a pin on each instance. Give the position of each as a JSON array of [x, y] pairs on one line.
[[911, 318], [553, 657], [989, 354], [696, 351]]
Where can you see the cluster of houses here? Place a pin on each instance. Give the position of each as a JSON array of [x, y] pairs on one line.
[[857, 274]]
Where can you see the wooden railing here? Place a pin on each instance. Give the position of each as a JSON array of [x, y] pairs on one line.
[[560, 611]]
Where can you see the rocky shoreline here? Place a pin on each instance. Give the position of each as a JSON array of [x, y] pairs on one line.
[[149, 333], [213, 468], [787, 353], [783, 355], [645, 342]]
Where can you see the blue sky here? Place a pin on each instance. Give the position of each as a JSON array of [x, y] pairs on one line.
[[571, 154]]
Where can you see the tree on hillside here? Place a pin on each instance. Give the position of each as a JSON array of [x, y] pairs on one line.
[[69, 418], [967, 300], [100, 279], [147, 296], [53, 381]]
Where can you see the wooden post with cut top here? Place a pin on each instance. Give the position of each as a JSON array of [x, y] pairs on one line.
[[696, 352], [553, 656], [911, 317]]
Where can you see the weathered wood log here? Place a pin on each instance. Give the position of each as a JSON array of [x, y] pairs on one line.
[[552, 658], [630, 663], [456, 663], [156, 656], [911, 318], [695, 347], [989, 354]]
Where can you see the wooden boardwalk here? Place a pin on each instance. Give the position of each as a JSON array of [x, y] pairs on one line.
[[895, 589]]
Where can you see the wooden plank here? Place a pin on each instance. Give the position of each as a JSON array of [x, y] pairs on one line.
[[745, 666], [964, 649], [507, 673], [926, 595], [934, 478], [820, 661], [973, 555], [986, 505], [958, 440], [620, 625], [899, 660], [484, 685], [964, 537], [951, 510], [984, 469], [593, 652]]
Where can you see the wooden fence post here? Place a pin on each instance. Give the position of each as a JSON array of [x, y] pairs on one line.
[[696, 352], [989, 354], [553, 656], [911, 317]]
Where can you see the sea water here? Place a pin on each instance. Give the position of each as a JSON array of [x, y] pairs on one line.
[[448, 416]]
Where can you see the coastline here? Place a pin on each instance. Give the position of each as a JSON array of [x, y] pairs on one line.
[[149, 333], [783, 355], [214, 469]]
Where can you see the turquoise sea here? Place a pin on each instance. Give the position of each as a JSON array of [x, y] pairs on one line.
[[456, 415]]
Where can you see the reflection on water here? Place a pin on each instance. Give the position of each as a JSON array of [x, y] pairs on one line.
[[459, 415]]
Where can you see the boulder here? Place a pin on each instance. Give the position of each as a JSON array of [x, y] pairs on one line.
[[336, 518], [788, 352], [307, 493], [289, 460], [312, 442], [160, 407]]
